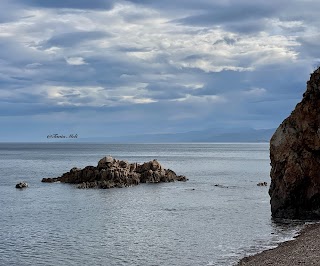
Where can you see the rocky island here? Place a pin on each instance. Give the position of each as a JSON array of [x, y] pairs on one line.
[[110, 173], [295, 159], [22, 185]]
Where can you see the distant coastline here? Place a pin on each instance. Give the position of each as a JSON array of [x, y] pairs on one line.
[[204, 136], [213, 135]]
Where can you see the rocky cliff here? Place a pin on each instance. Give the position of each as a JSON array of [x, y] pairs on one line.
[[295, 159], [110, 173]]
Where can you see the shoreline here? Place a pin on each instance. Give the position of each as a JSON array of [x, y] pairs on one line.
[[304, 249]]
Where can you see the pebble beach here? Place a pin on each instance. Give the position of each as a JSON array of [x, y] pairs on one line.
[[303, 250]]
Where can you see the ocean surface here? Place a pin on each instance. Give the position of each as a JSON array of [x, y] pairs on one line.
[[219, 216]]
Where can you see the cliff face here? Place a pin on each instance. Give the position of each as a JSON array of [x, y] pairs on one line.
[[295, 159]]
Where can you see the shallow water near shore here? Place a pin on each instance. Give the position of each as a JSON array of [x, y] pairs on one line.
[[219, 216]]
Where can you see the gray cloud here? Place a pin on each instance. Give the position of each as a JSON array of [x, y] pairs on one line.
[[187, 64], [228, 14], [74, 4], [310, 46], [178, 4], [10, 11], [71, 39], [240, 16], [247, 27]]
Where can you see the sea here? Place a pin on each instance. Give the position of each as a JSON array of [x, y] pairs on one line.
[[217, 217]]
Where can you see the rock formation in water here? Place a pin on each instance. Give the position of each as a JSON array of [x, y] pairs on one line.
[[22, 185], [295, 159], [110, 173]]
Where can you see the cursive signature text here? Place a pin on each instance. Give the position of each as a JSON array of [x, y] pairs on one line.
[[59, 136]]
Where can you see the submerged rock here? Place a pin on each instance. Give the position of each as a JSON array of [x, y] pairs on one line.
[[110, 173], [295, 159], [22, 185]]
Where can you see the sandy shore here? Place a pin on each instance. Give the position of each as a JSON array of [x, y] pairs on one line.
[[303, 250]]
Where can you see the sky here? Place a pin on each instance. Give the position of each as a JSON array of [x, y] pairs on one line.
[[111, 68]]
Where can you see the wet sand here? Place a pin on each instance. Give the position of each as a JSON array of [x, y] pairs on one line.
[[303, 250]]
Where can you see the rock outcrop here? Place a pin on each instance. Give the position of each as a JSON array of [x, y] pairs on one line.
[[22, 185], [110, 173], [262, 184], [295, 159]]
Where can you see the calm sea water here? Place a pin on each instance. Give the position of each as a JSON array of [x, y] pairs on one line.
[[192, 223]]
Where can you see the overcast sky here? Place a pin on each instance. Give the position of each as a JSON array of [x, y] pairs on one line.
[[110, 68]]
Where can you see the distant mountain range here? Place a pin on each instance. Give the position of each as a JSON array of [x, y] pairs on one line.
[[209, 135]]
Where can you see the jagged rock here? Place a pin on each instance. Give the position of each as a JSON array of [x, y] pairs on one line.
[[295, 159], [111, 173], [22, 185], [105, 162]]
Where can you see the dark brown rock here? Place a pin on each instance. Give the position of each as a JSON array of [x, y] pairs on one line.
[[111, 173], [49, 180], [295, 159]]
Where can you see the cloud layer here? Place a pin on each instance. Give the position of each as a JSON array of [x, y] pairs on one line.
[[105, 68]]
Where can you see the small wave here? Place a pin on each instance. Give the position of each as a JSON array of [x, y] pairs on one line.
[[286, 230], [220, 186], [170, 210]]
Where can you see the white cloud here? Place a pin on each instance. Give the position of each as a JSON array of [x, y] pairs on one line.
[[132, 99], [76, 96], [255, 91], [193, 86], [91, 96], [75, 61], [33, 65], [201, 99]]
